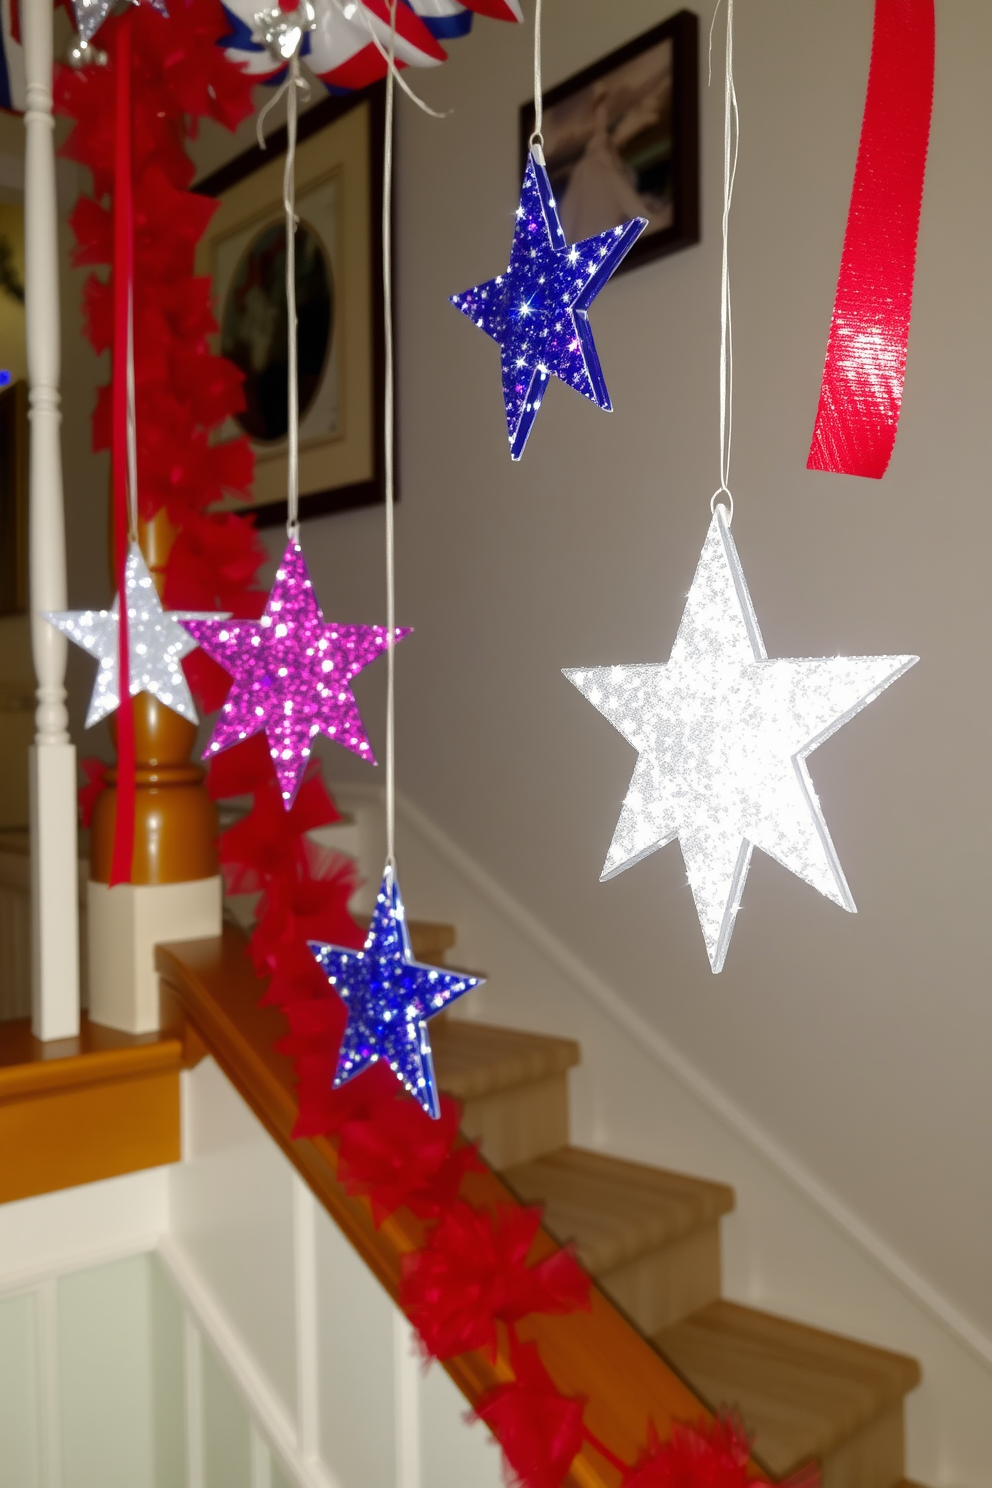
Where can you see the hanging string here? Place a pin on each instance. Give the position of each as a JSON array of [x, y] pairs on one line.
[[124, 523], [292, 86], [289, 203], [389, 442], [731, 140], [353, 8], [536, 140]]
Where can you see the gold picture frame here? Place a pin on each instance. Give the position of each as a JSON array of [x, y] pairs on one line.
[[339, 161]]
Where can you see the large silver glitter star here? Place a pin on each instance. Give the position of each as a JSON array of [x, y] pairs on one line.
[[156, 644], [722, 735]]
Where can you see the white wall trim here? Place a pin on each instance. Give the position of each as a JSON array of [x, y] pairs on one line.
[[610, 1002], [49, 1422], [262, 1400], [31, 1278], [193, 1381], [306, 1301], [407, 1370]]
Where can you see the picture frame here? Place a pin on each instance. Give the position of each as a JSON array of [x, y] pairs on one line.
[[14, 597], [621, 140], [339, 170]]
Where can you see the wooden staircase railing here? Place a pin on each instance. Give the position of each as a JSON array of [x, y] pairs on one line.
[[211, 1002]]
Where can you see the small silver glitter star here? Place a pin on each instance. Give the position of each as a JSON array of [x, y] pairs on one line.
[[156, 644], [91, 14], [722, 735]]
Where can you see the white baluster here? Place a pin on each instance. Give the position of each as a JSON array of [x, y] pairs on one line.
[[55, 929]]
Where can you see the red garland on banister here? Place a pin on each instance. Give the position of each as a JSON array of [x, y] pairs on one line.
[[471, 1283]]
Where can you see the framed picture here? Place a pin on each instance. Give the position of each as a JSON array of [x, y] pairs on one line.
[[621, 140], [339, 305], [14, 499]]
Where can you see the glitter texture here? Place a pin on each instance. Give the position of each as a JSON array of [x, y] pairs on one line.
[[538, 310], [91, 14], [292, 673], [722, 736], [156, 644], [390, 997]]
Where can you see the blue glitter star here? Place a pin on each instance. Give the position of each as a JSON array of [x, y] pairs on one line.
[[389, 997], [538, 310]]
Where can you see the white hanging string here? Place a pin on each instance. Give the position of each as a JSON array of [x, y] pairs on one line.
[[536, 140], [389, 443], [351, 8], [731, 140], [289, 203], [292, 86]]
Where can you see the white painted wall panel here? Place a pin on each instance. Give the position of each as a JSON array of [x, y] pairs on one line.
[[232, 1214], [356, 1339], [19, 1420], [105, 1376], [168, 1379], [226, 1429], [453, 1459]]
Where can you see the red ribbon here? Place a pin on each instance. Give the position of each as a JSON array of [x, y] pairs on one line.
[[865, 367], [123, 278]]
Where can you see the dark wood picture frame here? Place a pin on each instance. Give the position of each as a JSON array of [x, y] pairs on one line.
[[370, 491], [682, 31], [14, 597]]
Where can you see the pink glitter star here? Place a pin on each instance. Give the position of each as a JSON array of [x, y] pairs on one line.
[[292, 673]]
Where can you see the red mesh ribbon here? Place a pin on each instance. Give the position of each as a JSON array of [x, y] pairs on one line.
[[539, 1429], [865, 368], [123, 278], [706, 1454], [473, 1271]]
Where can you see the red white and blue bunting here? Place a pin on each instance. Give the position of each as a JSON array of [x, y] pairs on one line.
[[348, 49]]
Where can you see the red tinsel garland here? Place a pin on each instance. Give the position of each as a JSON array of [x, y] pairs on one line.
[[472, 1281]]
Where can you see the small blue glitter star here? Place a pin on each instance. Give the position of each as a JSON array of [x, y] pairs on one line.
[[538, 310], [389, 997]]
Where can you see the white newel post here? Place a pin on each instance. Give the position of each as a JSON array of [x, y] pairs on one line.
[[54, 927]]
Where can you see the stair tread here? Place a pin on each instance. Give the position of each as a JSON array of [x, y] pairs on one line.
[[430, 939], [615, 1210], [800, 1391], [477, 1059]]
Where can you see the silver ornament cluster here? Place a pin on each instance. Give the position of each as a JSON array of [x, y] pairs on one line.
[[282, 31], [722, 734], [157, 644]]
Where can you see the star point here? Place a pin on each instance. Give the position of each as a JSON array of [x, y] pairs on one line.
[[546, 277], [390, 997], [722, 735]]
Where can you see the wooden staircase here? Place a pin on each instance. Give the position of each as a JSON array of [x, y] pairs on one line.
[[651, 1239]]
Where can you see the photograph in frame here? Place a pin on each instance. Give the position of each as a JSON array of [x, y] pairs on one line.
[[621, 140], [339, 297]]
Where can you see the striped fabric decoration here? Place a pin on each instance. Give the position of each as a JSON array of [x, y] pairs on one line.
[[342, 51]]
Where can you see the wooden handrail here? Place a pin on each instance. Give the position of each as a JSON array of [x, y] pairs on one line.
[[211, 1000]]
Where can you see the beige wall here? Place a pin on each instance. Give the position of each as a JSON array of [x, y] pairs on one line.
[[862, 1044]]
